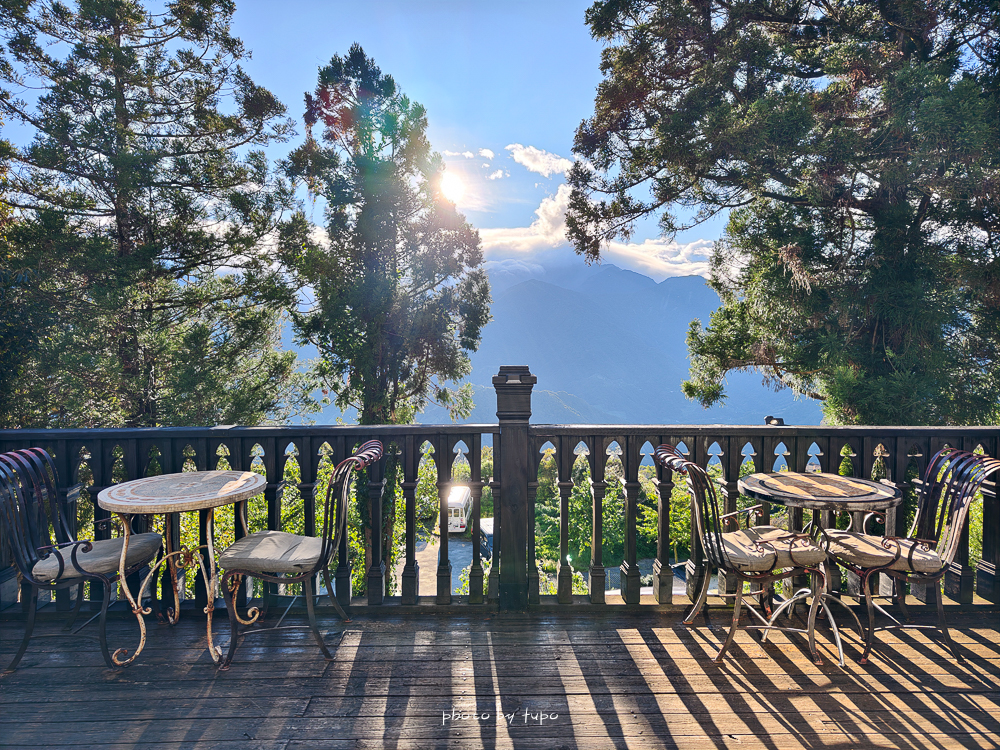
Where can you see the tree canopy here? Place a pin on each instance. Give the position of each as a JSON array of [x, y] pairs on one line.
[[400, 295], [143, 208], [854, 146]]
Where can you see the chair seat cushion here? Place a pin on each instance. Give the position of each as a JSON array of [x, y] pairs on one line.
[[273, 552], [867, 551], [789, 553], [761, 548], [740, 552], [102, 559]]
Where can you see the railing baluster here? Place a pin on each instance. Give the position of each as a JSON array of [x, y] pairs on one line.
[[410, 582], [376, 572], [598, 487], [631, 579], [530, 534], [564, 473], [663, 573], [476, 487], [493, 582], [442, 460]]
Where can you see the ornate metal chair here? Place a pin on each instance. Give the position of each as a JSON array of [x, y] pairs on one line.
[[949, 485], [279, 557], [30, 505], [758, 555]]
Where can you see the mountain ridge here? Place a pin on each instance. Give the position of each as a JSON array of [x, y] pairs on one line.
[[608, 346]]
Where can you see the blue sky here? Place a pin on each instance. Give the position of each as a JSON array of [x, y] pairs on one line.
[[505, 85]]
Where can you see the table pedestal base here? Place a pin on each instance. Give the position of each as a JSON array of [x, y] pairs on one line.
[[174, 559]]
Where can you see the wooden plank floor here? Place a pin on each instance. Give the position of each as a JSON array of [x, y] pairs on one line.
[[576, 680]]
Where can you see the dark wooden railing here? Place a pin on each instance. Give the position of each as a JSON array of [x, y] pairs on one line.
[[518, 447]]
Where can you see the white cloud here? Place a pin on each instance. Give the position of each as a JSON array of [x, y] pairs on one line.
[[486, 153], [547, 230], [465, 154], [495, 175], [486, 165], [657, 258], [535, 160]]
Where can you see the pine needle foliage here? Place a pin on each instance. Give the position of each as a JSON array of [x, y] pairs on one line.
[[143, 205], [400, 293], [854, 146]]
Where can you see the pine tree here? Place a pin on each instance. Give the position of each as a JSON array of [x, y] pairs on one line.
[[855, 145], [143, 205], [400, 293]]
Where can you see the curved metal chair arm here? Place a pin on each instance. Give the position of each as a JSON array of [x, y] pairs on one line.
[[54, 549], [754, 511], [876, 515], [366, 454]]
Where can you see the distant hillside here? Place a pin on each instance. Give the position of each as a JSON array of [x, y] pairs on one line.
[[608, 346]]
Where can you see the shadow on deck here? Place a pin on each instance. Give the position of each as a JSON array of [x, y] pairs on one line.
[[540, 680]]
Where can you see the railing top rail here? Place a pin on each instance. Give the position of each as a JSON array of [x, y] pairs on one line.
[[305, 430], [752, 430]]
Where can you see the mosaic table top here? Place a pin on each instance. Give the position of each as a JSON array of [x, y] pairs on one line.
[[172, 493], [820, 491]]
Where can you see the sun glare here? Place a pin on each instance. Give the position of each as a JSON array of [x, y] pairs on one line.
[[452, 187]]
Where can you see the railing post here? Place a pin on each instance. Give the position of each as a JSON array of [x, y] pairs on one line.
[[513, 386]]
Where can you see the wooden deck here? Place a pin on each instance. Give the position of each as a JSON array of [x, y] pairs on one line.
[[578, 680]]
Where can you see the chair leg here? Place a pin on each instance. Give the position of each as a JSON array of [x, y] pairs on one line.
[[899, 589], [234, 623], [702, 597], [76, 608], [737, 605], [943, 624], [102, 624], [866, 588], [307, 590], [818, 584], [333, 599], [29, 625]]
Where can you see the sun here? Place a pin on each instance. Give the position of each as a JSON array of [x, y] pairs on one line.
[[452, 187]]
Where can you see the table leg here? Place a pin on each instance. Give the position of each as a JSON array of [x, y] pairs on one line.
[[173, 613], [118, 657], [211, 584]]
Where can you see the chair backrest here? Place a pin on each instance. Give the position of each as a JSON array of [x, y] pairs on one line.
[[338, 495], [707, 524], [949, 485], [31, 506]]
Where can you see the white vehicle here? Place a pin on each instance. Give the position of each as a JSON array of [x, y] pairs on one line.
[[459, 508]]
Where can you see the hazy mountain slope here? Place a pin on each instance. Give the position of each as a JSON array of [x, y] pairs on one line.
[[608, 346]]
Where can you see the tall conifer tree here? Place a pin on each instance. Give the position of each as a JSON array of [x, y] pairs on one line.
[[400, 295], [142, 205], [856, 146]]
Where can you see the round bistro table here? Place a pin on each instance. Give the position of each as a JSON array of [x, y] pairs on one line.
[[822, 492], [168, 494]]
